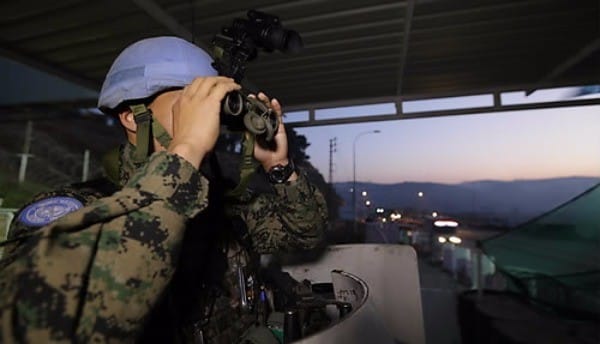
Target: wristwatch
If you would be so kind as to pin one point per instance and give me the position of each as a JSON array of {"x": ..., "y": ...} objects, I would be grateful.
[{"x": 279, "y": 174}]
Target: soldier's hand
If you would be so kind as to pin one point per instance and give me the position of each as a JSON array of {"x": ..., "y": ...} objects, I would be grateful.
[
  {"x": 196, "y": 117},
  {"x": 276, "y": 152}
]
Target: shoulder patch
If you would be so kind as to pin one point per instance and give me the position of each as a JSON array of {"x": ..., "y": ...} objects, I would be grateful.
[{"x": 43, "y": 212}]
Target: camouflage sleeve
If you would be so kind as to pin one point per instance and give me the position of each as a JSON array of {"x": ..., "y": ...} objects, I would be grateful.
[
  {"x": 293, "y": 218},
  {"x": 93, "y": 274},
  {"x": 19, "y": 228}
]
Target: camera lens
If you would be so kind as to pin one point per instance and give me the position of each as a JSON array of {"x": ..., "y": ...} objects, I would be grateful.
[
  {"x": 279, "y": 38},
  {"x": 293, "y": 42}
]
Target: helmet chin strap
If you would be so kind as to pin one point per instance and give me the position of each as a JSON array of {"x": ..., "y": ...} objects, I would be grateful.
[
  {"x": 147, "y": 128},
  {"x": 247, "y": 167}
]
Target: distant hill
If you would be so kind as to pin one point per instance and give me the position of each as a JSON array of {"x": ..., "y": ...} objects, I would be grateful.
[{"x": 511, "y": 201}]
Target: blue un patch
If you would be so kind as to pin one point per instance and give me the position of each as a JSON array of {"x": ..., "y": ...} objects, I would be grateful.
[{"x": 47, "y": 210}]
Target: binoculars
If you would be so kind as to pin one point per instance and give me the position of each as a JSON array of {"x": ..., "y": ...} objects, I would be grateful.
[
  {"x": 238, "y": 110},
  {"x": 233, "y": 47}
]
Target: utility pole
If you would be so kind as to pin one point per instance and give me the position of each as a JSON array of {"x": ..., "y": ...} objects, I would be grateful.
[
  {"x": 332, "y": 149},
  {"x": 25, "y": 155}
]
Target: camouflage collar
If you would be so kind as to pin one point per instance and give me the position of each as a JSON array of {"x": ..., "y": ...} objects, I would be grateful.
[{"x": 128, "y": 165}]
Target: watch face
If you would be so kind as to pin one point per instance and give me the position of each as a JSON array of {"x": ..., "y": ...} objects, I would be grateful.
[
  {"x": 277, "y": 174},
  {"x": 280, "y": 174}
]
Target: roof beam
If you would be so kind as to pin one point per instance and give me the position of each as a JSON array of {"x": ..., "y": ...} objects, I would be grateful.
[
  {"x": 330, "y": 16},
  {"x": 46, "y": 110},
  {"x": 579, "y": 56},
  {"x": 228, "y": 15},
  {"x": 355, "y": 40},
  {"x": 15, "y": 54},
  {"x": 356, "y": 101},
  {"x": 168, "y": 21},
  {"x": 312, "y": 122},
  {"x": 410, "y": 9},
  {"x": 312, "y": 58}
]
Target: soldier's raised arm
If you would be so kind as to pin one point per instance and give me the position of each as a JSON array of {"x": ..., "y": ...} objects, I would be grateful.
[{"x": 295, "y": 217}]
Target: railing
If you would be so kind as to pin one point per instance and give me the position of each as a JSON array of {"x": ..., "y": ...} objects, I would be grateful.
[
  {"x": 470, "y": 267},
  {"x": 464, "y": 261},
  {"x": 52, "y": 163}
]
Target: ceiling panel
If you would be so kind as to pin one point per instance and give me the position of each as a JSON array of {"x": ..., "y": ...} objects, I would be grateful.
[{"x": 353, "y": 48}]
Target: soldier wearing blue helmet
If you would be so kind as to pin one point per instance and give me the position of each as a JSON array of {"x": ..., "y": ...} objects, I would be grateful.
[{"x": 153, "y": 256}]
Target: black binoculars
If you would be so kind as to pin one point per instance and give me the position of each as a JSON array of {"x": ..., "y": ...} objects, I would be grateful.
[{"x": 239, "y": 110}]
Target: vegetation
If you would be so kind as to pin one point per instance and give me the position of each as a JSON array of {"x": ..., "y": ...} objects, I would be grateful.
[{"x": 15, "y": 194}]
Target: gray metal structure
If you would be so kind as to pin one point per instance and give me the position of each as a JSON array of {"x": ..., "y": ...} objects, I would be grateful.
[
  {"x": 356, "y": 51},
  {"x": 393, "y": 304}
]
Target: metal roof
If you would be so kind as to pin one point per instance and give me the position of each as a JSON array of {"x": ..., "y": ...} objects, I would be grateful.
[{"x": 355, "y": 50}]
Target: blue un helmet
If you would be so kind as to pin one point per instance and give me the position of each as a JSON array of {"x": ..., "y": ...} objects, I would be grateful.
[
  {"x": 150, "y": 66},
  {"x": 145, "y": 69}
]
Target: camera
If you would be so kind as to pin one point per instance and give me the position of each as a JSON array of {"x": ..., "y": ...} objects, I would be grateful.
[
  {"x": 232, "y": 49},
  {"x": 266, "y": 31}
]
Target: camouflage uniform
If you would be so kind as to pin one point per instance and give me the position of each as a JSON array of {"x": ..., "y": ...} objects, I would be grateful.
[{"x": 95, "y": 275}]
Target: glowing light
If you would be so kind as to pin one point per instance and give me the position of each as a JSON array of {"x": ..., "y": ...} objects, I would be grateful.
[
  {"x": 395, "y": 216},
  {"x": 446, "y": 223},
  {"x": 367, "y": 203},
  {"x": 384, "y": 220},
  {"x": 379, "y": 210},
  {"x": 455, "y": 240},
  {"x": 434, "y": 214},
  {"x": 441, "y": 240},
  {"x": 364, "y": 193},
  {"x": 420, "y": 194}
]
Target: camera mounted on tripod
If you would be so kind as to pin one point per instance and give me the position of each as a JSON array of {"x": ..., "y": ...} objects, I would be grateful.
[{"x": 232, "y": 49}]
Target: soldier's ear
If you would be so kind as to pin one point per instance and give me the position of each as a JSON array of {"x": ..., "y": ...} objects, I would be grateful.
[{"x": 128, "y": 121}]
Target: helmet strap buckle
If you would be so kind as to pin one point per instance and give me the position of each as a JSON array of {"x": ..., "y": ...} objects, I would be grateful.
[{"x": 143, "y": 117}]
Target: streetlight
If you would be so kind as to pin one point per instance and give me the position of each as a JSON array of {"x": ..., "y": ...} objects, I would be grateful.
[{"x": 354, "y": 173}]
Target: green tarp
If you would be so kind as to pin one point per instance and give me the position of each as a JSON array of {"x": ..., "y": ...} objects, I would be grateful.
[{"x": 555, "y": 258}]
